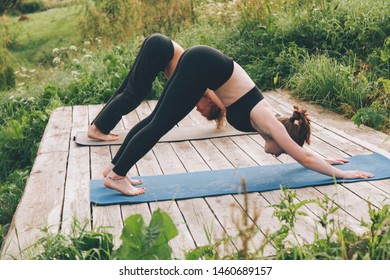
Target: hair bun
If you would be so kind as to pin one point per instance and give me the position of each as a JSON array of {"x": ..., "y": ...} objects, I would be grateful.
[{"x": 298, "y": 114}]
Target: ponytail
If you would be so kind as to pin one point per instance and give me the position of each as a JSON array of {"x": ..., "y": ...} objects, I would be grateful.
[
  {"x": 218, "y": 115},
  {"x": 298, "y": 126}
]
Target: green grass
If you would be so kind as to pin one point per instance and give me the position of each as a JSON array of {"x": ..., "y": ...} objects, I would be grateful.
[{"x": 34, "y": 39}]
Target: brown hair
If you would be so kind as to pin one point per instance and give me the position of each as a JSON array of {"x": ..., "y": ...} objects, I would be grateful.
[
  {"x": 297, "y": 126},
  {"x": 216, "y": 114}
]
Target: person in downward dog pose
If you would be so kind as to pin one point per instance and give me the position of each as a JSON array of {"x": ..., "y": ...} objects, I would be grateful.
[
  {"x": 158, "y": 53},
  {"x": 200, "y": 68}
]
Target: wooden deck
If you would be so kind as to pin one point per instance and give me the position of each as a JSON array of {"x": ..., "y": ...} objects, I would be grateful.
[{"x": 58, "y": 187}]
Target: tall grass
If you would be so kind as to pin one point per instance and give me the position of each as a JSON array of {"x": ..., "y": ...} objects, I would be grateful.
[{"x": 325, "y": 81}]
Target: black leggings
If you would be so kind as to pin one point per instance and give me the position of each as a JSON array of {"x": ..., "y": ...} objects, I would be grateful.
[
  {"x": 199, "y": 68},
  {"x": 156, "y": 52}
]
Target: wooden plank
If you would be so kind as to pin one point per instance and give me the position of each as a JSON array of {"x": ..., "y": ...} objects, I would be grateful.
[
  {"x": 76, "y": 199},
  {"x": 157, "y": 162},
  {"x": 56, "y": 135},
  {"x": 170, "y": 164},
  {"x": 219, "y": 205},
  {"x": 107, "y": 217},
  {"x": 41, "y": 203},
  {"x": 199, "y": 217},
  {"x": 235, "y": 155},
  {"x": 254, "y": 150},
  {"x": 132, "y": 209}
]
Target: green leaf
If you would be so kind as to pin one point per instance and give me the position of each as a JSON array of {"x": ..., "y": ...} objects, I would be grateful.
[
  {"x": 161, "y": 220},
  {"x": 133, "y": 231},
  {"x": 143, "y": 242}
]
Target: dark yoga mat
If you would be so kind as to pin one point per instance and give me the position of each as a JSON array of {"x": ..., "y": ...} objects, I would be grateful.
[{"x": 228, "y": 181}]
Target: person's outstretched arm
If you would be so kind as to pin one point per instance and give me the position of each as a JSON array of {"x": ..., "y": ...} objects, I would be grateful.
[{"x": 267, "y": 124}]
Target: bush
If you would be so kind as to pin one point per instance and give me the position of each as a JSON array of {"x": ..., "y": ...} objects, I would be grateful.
[
  {"x": 119, "y": 20},
  {"x": 325, "y": 81},
  {"x": 29, "y": 7}
]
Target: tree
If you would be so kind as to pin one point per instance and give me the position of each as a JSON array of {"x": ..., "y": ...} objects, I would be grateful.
[{"x": 6, "y": 4}]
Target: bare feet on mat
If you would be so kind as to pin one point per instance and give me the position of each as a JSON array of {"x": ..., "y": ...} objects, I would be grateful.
[
  {"x": 129, "y": 179},
  {"x": 122, "y": 185},
  {"x": 95, "y": 133}
]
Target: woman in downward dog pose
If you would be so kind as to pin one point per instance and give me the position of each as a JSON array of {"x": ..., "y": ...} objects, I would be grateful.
[
  {"x": 201, "y": 68},
  {"x": 158, "y": 53}
]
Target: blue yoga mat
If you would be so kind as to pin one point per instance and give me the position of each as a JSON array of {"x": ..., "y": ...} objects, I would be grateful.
[{"x": 228, "y": 181}]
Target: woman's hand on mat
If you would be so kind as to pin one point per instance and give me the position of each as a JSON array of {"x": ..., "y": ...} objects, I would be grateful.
[
  {"x": 334, "y": 161},
  {"x": 352, "y": 174}
]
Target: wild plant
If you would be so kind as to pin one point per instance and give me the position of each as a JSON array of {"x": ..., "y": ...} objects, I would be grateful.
[
  {"x": 80, "y": 244},
  {"x": 147, "y": 242}
]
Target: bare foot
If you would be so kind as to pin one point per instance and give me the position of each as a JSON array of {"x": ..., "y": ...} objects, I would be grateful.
[
  {"x": 95, "y": 133},
  {"x": 129, "y": 179},
  {"x": 122, "y": 185}
]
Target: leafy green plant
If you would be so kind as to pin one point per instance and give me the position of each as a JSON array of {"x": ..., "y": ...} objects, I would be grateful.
[
  {"x": 287, "y": 212},
  {"x": 370, "y": 116},
  {"x": 339, "y": 242},
  {"x": 378, "y": 245},
  {"x": 147, "y": 242},
  {"x": 79, "y": 244}
]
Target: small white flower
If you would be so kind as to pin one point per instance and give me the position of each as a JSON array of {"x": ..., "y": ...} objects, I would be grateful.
[
  {"x": 31, "y": 99},
  {"x": 75, "y": 73},
  {"x": 87, "y": 43},
  {"x": 72, "y": 48},
  {"x": 76, "y": 61},
  {"x": 56, "y": 60},
  {"x": 55, "y": 50},
  {"x": 87, "y": 56},
  {"x": 24, "y": 69}
]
